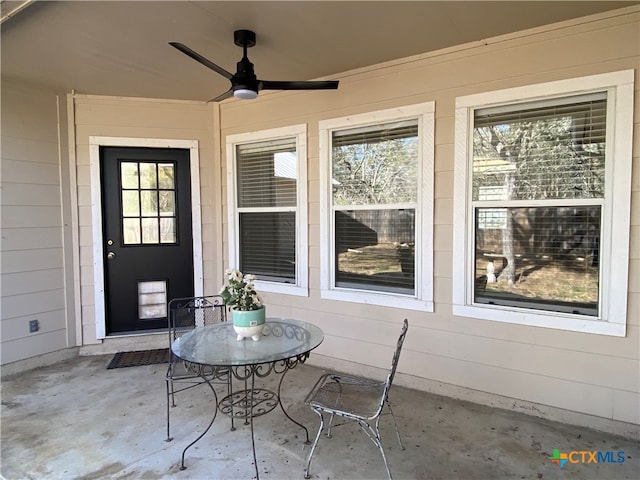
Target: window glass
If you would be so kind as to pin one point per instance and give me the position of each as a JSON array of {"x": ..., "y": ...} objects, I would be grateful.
[
  {"x": 266, "y": 203},
  {"x": 144, "y": 202},
  {"x": 149, "y": 202},
  {"x": 267, "y": 174},
  {"x": 150, "y": 230},
  {"x": 375, "y": 167},
  {"x": 131, "y": 231},
  {"x": 375, "y": 249},
  {"x": 168, "y": 230},
  {"x": 148, "y": 175},
  {"x": 543, "y": 251},
  {"x": 542, "y": 204},
  {"x": 166, "y": 176},
  {"x": 548, "y": 259},
  {"x": 549, "y": 152},
  {"x": 129, "y": 174},
  {"x": 267, "y": 245}
]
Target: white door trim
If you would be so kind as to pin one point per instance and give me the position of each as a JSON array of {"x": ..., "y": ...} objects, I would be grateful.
[{"x": 95, "y": 143}]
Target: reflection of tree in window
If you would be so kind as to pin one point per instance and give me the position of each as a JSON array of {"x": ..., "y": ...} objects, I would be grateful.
[
  {"x": 374, "y": 180},
  {"x": 551, "y": 156}
]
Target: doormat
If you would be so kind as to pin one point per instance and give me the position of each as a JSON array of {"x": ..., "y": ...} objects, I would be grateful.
[{"x": 140, "y": 357}]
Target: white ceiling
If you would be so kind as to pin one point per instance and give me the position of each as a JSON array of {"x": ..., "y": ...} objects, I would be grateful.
[{"x": 121, "y": 48}]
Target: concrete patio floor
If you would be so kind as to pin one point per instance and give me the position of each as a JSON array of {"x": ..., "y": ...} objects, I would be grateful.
[{"x": 78, "y": 420}]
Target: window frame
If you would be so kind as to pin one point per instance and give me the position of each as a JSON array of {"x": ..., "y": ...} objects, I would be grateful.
[
  {"x": 422, "y": 299},
  {"x": 614, "y": 246},
  {"x": 299, "y": 134}
]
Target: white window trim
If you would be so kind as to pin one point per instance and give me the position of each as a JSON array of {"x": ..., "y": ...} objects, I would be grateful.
[
  {"x": 423, "y": 298},
  {"x": 299, "y": 132},
  {"x": 95, "y": 142},
  {"x": 614, "y": 256}
]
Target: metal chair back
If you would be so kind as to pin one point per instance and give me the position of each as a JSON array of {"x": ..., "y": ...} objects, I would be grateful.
[
  {"x": 394, "y": 365},
  {"x": 185, "y": 314},
  {"x": 355, "y": 399}
]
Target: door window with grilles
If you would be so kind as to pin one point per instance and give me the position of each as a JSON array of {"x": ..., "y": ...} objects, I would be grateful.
[{"x": 148, "y": 194}]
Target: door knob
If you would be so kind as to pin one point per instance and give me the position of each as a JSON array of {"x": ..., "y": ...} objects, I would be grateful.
[{"x": 111, "y": 255}]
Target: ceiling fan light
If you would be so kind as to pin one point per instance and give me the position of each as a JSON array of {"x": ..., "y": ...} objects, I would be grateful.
[{"x": 245, "y": 93}]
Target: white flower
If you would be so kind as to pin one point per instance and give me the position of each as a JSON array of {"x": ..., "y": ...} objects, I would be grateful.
[{"x": 240, "y": 292}]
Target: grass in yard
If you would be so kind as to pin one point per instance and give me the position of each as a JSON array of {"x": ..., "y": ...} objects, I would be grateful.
[{"x": 571, "y": 280}]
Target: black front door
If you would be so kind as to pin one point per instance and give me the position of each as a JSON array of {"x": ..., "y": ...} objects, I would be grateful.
[{"x": 147, "y": 234}]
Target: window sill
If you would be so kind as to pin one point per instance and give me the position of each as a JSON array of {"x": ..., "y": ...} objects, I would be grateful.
[
  {"x": 557, "y": 321},
  {"x": 384, "y": 300},
  {"x": 282, "y": 288}
]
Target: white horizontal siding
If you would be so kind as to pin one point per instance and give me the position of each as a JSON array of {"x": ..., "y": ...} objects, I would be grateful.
[
  {"x": 17, "y": 328},
  {"x": 32, "y": 303},
  {"x": 31, "y": 260},
  {"x": 30, "y": 216},
  {"x": 35, "y": 173},
  {"x": 32, "y": 238},
  {"x": 29, "y": 150},
  {"x": 32, "y": 346},
  {"x": 32, "y": 280},
  {"x": 29, "y": 194}
]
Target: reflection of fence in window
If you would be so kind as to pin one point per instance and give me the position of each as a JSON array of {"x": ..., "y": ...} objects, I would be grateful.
[
  {"x": 492, "y": 218},
  {"x": 489, "y": 218},
  {"x": 375, "y": 249},
  {"x": 556, "y": 254}
]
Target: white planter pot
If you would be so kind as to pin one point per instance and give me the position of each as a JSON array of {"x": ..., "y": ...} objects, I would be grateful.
[{"x": 248, "y": 323}]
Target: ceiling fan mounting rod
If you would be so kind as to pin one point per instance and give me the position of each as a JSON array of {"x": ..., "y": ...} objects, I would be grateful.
[{"x": 244, "y": 38}]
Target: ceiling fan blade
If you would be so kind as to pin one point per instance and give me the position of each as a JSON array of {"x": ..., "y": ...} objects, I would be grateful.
[
  {"x": 283, "y": 85},
  {"x": 199, "y": 58},
  {"x": 219, "y": 98}
]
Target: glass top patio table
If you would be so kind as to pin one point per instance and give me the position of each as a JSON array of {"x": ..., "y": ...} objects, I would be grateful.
[
  {"x": 283, "y": 344},
  {"x": 217, "y": 344}
]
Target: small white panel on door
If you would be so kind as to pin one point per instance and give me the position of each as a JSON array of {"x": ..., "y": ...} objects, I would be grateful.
[{"x": 152, "y": 299}]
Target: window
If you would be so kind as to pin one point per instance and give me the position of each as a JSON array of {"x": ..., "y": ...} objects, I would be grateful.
[
  {"x": 545, "y": 238},
  {"x": 148, "y": 195},
  {"x": 267, "y": 214},
  {"x": 377, "y": 213}
]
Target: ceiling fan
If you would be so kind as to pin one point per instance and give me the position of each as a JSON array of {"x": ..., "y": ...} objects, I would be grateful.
[{"x": 244, "y": 83}]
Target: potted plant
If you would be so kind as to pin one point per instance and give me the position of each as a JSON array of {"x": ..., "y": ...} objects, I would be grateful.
[{"x": 247, "y": 308}]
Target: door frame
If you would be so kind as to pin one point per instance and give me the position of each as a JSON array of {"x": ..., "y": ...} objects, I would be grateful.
[{"x": 95, "y": 142}]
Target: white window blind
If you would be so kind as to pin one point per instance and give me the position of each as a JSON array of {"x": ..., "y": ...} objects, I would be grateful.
[
  {"x": 266, "y": 175},
  {"x": 544, "y": 151}
]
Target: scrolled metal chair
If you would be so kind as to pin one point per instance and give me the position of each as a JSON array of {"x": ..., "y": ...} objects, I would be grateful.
[
  {"x": 355, "y": 399},
  {"x": 185, "y": 314}
]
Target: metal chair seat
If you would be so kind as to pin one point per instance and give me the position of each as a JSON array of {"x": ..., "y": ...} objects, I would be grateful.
[
  {"x": 355, "y": 399},
  {"x": 350, "y": 396}
]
